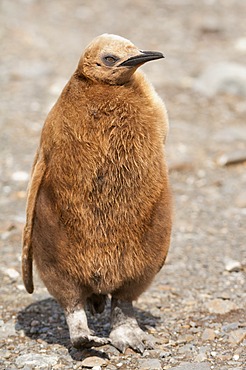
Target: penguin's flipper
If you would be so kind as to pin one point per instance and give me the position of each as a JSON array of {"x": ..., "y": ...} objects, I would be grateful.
[{"x": 36, "y": 179}]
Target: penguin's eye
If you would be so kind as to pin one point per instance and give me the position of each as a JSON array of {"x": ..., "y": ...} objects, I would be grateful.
[{"x": 110, "y": 60}]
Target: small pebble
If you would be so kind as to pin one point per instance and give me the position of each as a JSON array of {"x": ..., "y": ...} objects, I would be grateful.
[
  {"x": 21, "y": 287},
  {"x": 220, "y": 306},
  {"x": 240, "y": 44},
  {"x": 35, "y": 323},
  {"x": 20, "y": 176},
  {"x": 232, "y": 158},
  {"x": 193, "y": 366},
  {"x": 185, "y": 338},
  {"x": 34, "y": 331},
  {"x": 187, "y": 348},
  {"x": 34, "y": 359},
  {"x": 208, "y": 334},
  {"x": 210, "y": 25},
  {"x": 153, "y": 364},
  {"x": 6, "y": 355},
  {"x": 12, "y": 273},
  {"x": 237, "y": 336},
  {"x": 7, "y": 330},
  {"x": 201, "y": 357},
  {"x": 232, "y": 265},
  {"x": 93, "y": 361},
  {"x": 224, "y": 356},
  {"x": 224, "y": 295},
  {"x": 111, "y": 367},
  {"x": 231, "y": 326}
]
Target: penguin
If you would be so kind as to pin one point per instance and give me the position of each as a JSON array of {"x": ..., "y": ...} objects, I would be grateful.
[{"x": 99, "y": 209}]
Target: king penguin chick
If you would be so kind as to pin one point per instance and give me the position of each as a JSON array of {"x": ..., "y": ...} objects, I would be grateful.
[{"x": 99, "y": 203}]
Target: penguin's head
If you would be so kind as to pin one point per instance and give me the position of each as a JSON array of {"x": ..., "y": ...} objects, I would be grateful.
[{"x": 113, "y": 59}]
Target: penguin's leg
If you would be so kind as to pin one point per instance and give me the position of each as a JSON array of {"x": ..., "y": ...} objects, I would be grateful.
[
  {"x": 50, "y": 243},
  {"x": 125, "y": 331},
  {"x": 80, "y": 334},
  {"x": 73, "y": 298}
]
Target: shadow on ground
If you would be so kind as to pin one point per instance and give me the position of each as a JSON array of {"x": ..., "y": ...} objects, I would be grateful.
[{"x": 45, "y": 320}]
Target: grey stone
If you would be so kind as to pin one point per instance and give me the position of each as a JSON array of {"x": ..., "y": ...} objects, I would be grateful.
[
  {"x": 34, "y": 359},
  {"x": 210, "y": 25},
  {"x": 231, "y": 326},
  {"x": 208, "y": 334},
  {"x": 5, "y": 354},
  {"x": 235, "y": 157},
  {"x": 93, "y": 361},
  {"x": 193, "y": 366},
  {"x": 201, "y": 357},
  {"x": 34, "y": 330},
  {"x": 222, "y": 77},
  {"x": 185, "y": 338},
  {"x": 240, "y": 44},
  {"x": 233, "y": 363},
  {"x": 220, "y": 306},
  {"x": 12, "y": 273},
  {"x": 20, "y": 176},
  {"x": 7, "y": 330},
  {"x": 224, "y": 295},
  {"x": 237, "y": 336},
  {"x": 187, "y": 348},
  {"x": 35, "y": 323},
  {"x": 232, "y": 265},
  {"x": 154, "y": 364}
]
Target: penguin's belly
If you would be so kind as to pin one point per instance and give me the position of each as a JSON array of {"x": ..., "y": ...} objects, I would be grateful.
[{"x": 101, "y": 213}]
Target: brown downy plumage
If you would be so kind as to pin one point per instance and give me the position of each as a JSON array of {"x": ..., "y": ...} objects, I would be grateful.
[{"x": 99, "y": 204}]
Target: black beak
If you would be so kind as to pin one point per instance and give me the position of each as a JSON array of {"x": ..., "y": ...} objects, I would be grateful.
[{"x": 144, "y": 57}]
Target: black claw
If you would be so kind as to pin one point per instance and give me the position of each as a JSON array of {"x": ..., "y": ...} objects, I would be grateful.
[
  {"x": 122, "y": 348},
  {"x": 140, "y": 349}
]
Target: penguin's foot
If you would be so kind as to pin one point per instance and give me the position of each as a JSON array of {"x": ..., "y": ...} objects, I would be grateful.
[
  {"x": 80, "y": 334},
  {"x": 125, "y": 330},
  {"x": 85, "y": 340},
  {"x": 132, "y": 336}
]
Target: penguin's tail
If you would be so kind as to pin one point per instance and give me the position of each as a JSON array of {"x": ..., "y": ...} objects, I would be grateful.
[{"x": 27, "y": 276}]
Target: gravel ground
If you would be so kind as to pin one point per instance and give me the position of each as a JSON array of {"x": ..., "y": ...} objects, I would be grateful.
[{"x": 195, "y": 308}]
